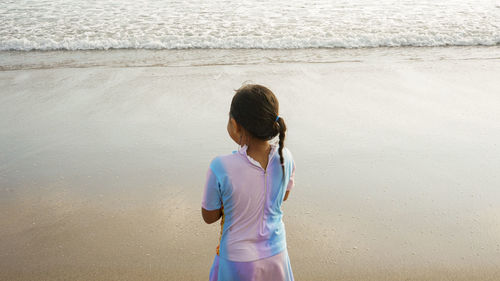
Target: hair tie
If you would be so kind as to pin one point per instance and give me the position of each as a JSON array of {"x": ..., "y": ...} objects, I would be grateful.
[{"x": 277, "y": 117}]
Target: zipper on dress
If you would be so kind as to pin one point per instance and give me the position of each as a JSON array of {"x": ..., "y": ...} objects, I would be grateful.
[
  {"x": 265, "y": 186},
  {"x": 265, "y": 198}
]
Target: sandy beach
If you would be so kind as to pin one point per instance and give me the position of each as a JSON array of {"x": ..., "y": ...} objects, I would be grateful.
[{"x": 103, "y": 157}]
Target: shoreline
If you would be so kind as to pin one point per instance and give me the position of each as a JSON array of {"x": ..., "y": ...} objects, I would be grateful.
[{"x": 24, "y": 60}]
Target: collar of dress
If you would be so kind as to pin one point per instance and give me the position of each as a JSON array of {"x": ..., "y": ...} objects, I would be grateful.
[{"x": 243, "y": 151}]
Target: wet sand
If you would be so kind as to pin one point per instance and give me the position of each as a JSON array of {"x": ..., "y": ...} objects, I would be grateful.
[{"x": 102, "y": 167}]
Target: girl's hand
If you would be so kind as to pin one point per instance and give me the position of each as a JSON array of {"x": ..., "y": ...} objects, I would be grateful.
[
  {"x": 286, "y": 195},
  {"x": 211, "y": 216}
]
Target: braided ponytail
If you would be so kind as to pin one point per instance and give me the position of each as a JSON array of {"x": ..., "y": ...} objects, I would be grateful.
[{"x": 282, "y": 130}]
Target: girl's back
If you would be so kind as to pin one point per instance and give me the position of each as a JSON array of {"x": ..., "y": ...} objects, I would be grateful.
[{"x": 252, "y": 226}]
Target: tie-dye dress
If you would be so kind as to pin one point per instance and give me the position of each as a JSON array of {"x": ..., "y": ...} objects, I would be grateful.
[{"x": 253, "y": 239}]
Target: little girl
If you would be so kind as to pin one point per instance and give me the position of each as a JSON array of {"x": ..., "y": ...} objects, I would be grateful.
[{"x": 246, "y": 189}]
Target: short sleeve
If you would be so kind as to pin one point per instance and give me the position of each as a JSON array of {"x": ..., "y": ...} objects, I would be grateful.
[
  {"x": 211, "y": 194},
  {"x": 291, "y": 182}
]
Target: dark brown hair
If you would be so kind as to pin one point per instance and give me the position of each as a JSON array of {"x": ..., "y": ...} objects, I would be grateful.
[{"x": 255, "y": 108}]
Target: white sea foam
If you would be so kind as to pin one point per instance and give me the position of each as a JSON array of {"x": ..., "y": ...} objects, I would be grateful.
[{"x": 280, "y": 24}]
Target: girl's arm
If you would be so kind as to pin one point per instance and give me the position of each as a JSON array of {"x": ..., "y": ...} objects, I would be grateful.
[
  {"x": 211, "y": 205},
  {"x": 291, "y": 182},
  {"x": 211, "y": 216}
]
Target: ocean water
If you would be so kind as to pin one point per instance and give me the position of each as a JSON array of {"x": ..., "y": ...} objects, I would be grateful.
[{"x": 277, "y": 24}]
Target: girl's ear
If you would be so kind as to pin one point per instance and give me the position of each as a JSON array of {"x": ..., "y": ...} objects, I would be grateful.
[
  {"x": 239, "y": 131},
  {"x": 235, "y": 125},
  {"x": 234, "y": 130}
]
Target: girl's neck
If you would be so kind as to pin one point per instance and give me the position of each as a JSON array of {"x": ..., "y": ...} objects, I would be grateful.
[{"x": 258, "y": 150}]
